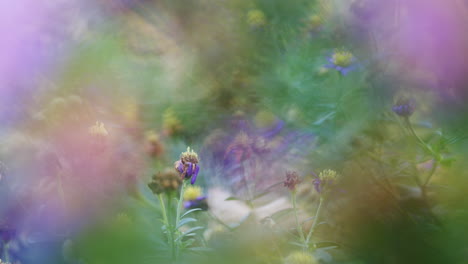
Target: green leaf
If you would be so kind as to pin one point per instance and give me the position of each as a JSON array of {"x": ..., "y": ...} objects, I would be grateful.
[
  {"x": 232, "y": 198},
  {"x": 189, "y": 232},
  {"x": 327, "y": 244},
  {"x": 185, "y": 221},
  {"x": 190, "y": 211},
  {"x": 281, "y": 213}
]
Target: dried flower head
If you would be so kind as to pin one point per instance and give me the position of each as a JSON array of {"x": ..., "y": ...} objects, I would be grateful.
[
  {"x": 256, "y": 18},
  {"x": 325, "y": 180},
  {"x": 187, "y": 166},
  {"x": 404, "y": 107},
  {"x": 292, "y": 179},
  {"x": 166, "y": 181},
  {"x": 98, "y": 129},
  {"x": 300, "y": 257}
]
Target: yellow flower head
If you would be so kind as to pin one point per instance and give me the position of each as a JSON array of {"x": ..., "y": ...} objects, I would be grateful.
[
  {"x": 256, "y": 18},
  {"x": 342, "y": 58},
  {"x": 300, "y": 257},
  {"x": 98, "y": 129},
  {"x": 192, "y": 193}
]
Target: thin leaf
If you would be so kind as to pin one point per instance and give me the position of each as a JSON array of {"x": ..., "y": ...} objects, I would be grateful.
[
  {"x": 185, "y": 221},
  {"x": 190, "y": 211}
]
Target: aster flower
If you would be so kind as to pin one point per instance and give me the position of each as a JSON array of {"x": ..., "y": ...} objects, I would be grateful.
[
  {"x": 194, "y": 198},
  {"x": 404, "y": 107},
  {"x": 325, "y": 180},
  {"x": 187, "y": 166},
  {"x": 292, "y": 179},
  {"x": 342, "y": 61}
]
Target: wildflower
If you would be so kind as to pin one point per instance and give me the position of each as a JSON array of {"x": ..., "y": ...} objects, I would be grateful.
[
  {"x": 187, "y": 166},
  {"x": 325, "y": 180},
  {"x": 292, "y": 179},
  {"x": 154, "y": 146},
  {"x": 256, "y": 18},
  {"x": 342, "y": 61},
  {"x": 98, "y": 129},
  {"x": 166, "y": 181},
  {"x": 300, "y": 257},
  {"x": 268, "y": 124},
  {"x": 192, "y": 193},
  {"x": 404, "y": 107},
  {"x": 193, "y": 197}
]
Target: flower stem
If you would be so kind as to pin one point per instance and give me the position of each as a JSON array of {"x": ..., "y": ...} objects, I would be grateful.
[
  {"x": 298, "y": 226},
  {"x": 179, "y": 210},
  {"x": 169, "y": 229},
  {"x": 316, "y": 218}
]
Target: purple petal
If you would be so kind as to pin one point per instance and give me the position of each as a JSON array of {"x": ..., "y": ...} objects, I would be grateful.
[
  {"x": 189, "y": 169},
  {"x": 194, "y": 176},
  {"x": 180, "y": 168}
]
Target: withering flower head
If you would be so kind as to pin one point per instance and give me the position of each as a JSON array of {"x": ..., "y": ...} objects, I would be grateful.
[
  {"x": 325, "y": 180},
  {"x": 187, "y": 166},
  {"x": 404, "y": 107},
  {"x": 166, "y": 181},
  {"x": 292, "y": 179}
]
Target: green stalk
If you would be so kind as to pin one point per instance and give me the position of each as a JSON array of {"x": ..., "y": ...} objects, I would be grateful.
[
  {"x": 179, "y": 210},
  {"x": 298, "y": 226},
  {"x": 316, "y": 218},
  {"x": 168, "y": 227}
]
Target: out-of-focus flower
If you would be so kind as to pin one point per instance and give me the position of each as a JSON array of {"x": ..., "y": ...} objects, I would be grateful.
[
  {"x": 154, "y": 146},
  {"x": 98, "y": 129},
  {"x": 256, "y": 18},
  {"x": 300, "y": 257},
  {"x": 314, "y": 22},
  {"x": 187, "y": 166},
  {"x": 171, "y": 123},
  {"x": 404, "y": 107},
  {"x": 342, "y": 61},
  {"x": 166, "y": 181},
  {"x": 193, "y": 197},
  {"x": 192, "y": 193},
  {"x": 325, "y": 180},
  {"x": 268, "y": 124},
  {"x": 292, "y": 179}
]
